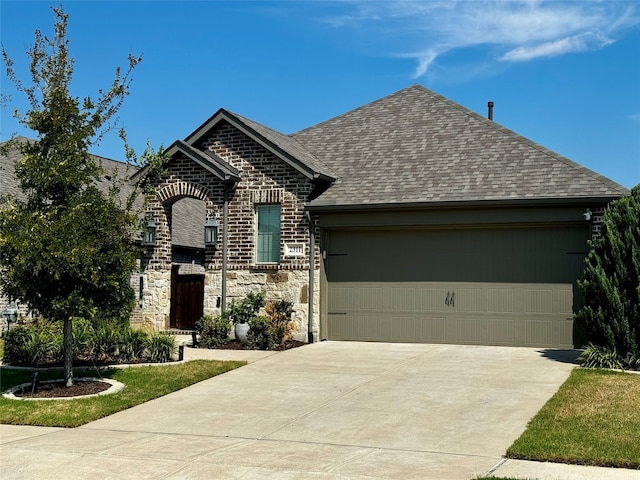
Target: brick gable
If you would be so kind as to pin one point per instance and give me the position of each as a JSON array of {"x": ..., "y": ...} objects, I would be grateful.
[{"x": 265, "y": 179}]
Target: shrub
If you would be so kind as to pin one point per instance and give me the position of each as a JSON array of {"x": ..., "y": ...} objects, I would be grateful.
[
  {"x": 611, "y": 280},
  {"x": 35, "y": 344},
  {"x": 594, "y": 356},
  {"x": 40, "y": 343},
  {"x": 243, "y": 311},
  {"x": 213, "y": 331},
  {"x": 280, "y": 316},
  {"x": 132, "y": 344},
  {"x": 631, "y": 362},
  {"x": 14, "y": 342},
  {"x": 260, "y": 335},
  {"x": 83, "y": 333},
  {"x": 160, "y": 347},
  {"x": 105, "y": 343}
]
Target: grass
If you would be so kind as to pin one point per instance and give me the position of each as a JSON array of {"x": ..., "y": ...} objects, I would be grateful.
[
  {"x": 593, "y": 419},
  {"x": 141, "y": 385}
]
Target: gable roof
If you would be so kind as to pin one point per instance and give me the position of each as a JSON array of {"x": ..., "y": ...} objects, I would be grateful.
[
  {"x": 208, "y": 160},
  {"x": 415, "y": 146},
  {"x": 283, "y": 146}
]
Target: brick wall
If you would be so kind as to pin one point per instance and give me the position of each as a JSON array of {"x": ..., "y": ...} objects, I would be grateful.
[{"x": 264, "y": 179}]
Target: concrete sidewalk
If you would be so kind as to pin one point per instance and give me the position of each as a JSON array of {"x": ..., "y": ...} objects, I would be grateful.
[{"x": 330, "y": 410}]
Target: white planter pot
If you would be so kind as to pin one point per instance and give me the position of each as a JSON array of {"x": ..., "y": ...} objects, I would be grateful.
[{"x": 241, "y": 330}]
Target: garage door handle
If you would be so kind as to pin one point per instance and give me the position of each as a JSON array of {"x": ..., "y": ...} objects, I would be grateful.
[
  {"x": 452, "y": 302},
  {"x": 446, "y": 302}
]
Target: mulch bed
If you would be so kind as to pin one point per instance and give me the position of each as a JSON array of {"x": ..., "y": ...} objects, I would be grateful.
[
  {"x": 235, "y": 345},
  {"x": 57, "y": 389}
]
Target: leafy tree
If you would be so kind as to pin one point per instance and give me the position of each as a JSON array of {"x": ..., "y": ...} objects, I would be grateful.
[
  {"x": 67, "y": 250},
  {"x": 611, "y": 280}
]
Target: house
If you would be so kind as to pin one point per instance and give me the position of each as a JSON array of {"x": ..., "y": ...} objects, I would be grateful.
[{"x": 409, "y": 219}]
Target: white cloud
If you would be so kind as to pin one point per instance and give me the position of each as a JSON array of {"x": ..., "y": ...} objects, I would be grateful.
[
  {"x": 515, "y": 30},
  {"x": 635, "y": 117},
  {"x": 576, "y": 43}
]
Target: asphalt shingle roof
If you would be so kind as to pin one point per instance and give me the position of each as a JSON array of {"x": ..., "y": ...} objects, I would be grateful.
[
  {"x": 416, "y": 146},
  {"x": 112, "y": 170}
]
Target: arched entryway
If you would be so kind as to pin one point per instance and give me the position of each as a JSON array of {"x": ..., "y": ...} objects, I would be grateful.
[{"x": 187, "y": 262}]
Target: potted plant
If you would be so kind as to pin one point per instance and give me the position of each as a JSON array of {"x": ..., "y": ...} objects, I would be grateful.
[{"x": 239, "y": 313}]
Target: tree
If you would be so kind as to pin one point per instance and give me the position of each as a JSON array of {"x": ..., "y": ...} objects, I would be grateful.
[
  {"x": 611, "y": 280},
  {"x": 67, "y": 250}
]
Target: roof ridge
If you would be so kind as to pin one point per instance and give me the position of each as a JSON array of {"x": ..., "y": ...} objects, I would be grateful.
[{"x": 541, "y": 148}]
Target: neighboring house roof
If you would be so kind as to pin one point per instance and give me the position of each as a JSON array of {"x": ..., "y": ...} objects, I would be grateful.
[
  {"x": 112, "y": 170},
  {"x": 283, "y": 146},
  {"x": 415, "y": 146}
]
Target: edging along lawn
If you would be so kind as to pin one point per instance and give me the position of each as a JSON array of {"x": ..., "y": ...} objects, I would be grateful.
[
  {"x": 141, "y": 385},
  {"x": 593, "y": 419}
]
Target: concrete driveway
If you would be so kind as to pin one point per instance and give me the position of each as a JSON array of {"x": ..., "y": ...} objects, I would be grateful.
[{"x": 328, "y": 410}]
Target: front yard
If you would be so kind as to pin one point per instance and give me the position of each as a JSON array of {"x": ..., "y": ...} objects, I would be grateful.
[
  {"x": 141, "y": 385},
  {"x": 593, "y": 419}
]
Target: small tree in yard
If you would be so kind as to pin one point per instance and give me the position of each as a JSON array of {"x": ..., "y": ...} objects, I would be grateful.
[
  {"x": 611, "y": 281},
  {"x": 67, "y": 249}
]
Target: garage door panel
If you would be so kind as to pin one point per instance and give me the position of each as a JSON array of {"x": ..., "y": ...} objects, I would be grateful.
[
  {"x": 464, "y": 330},
  {"x": 539, "y": 332},
  {"x": 467, "y": 299},
  {"x": 403, "y": 298},
  {"x": 538, "y": 301},
  {"x": 370, "y": 298},
  {"x": 501, "y": 331},
  {"x": 433, "y": 299},
  {"x": 405, "y": 329},
  {"x": 500, "y": 300},
  {"x": 342, "y": 298},
  {"x": 341, "y": 327},
  {"x": 564, "y": 300}
]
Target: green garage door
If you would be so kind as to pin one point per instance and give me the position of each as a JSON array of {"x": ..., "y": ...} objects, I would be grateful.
[{"x": 489, "y": 286}]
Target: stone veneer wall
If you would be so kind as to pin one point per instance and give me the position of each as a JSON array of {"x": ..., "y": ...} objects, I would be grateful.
[{"x": 264, "y": 179}]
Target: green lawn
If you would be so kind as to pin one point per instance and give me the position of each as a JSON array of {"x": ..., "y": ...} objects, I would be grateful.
[
  {"x": 141, "y": 385},
  {"x": 593, "y": 419}
]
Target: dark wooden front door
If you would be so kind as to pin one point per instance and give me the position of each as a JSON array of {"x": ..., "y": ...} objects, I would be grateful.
[{"x": 187, "y": 297}]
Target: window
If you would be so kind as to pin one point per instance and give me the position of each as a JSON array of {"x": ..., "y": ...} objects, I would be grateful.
[{"x": 268, "y": 244}]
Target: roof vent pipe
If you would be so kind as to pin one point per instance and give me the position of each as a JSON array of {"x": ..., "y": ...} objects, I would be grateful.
[{"x": 490, "y": 105}]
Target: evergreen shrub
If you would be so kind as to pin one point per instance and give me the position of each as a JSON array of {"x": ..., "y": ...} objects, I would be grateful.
[{"x": 610, "y": 316}]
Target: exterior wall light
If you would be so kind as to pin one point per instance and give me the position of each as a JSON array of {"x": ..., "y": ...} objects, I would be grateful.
[
  {"x": 210, "y": 232},
  {"x": 149, "y": 233},
  {"x": 10, "y": 314}
]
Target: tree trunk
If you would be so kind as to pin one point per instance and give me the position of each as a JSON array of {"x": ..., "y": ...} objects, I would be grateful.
[{"x": 68, "y": 352}]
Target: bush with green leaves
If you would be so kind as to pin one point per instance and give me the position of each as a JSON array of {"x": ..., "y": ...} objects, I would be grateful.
[
  {"x": 41, "y": 342},
  {"x": 213, "y": 331},
  {"x": 610, "y": 316},
  {"x": 261, "y": 335},
  {"x": 244, "y": 310},
  {"x": 36, "y": 344},
  {"x": 595, "y": 356},
  {"x": 160, "y": 347}
]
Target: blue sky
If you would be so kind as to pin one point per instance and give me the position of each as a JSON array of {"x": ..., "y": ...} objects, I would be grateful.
[{"x": 564, "y": 74}]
